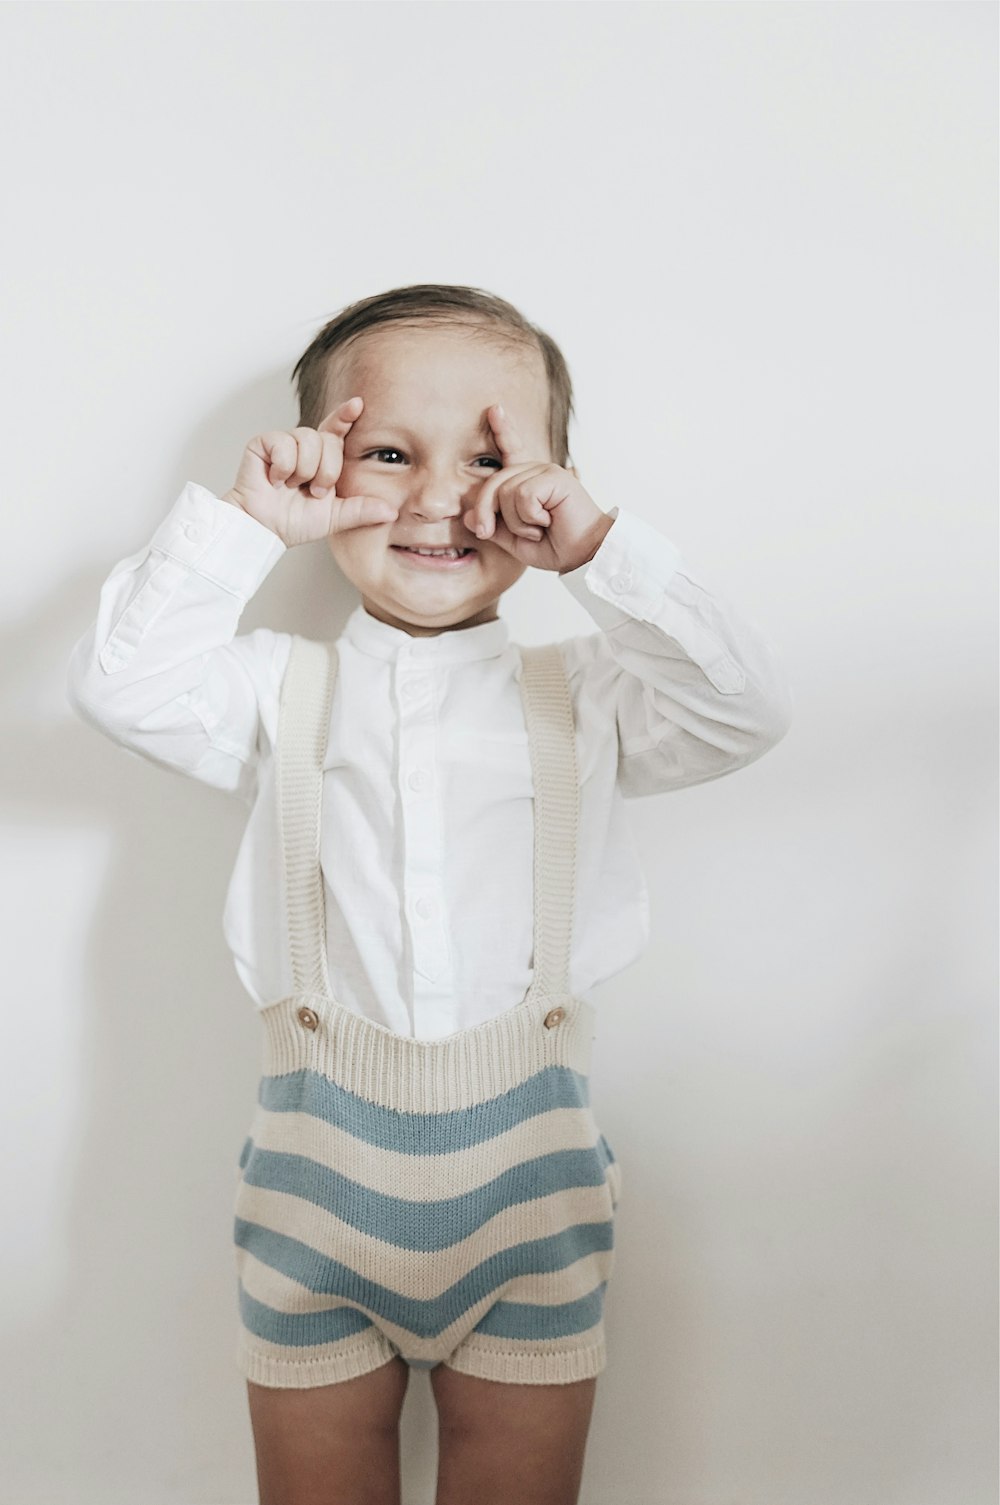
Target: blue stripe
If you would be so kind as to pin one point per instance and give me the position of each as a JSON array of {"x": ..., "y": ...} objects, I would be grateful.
[
  {"x": 424, "y": 1225},
  {"x": 340, "y": 1322},
  {"x": 525, "y": 1320},
  {"x": 423, "y": 1318},
  {"x": 310, "y": 1092},
  {"x": 247, "y": 1149}
]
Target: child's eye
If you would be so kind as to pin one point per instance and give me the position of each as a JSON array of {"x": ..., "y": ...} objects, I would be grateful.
[{"x": 390, "y": 450}]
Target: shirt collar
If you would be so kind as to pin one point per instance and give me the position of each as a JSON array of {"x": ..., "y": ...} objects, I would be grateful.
[{"x": 456, "y": 645}]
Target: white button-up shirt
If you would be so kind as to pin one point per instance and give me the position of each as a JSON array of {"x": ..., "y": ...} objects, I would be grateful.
[{"x": 427, "y": 834}]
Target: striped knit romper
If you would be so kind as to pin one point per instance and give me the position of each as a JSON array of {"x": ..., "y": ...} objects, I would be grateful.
[{"x": 449, "y": 1200}]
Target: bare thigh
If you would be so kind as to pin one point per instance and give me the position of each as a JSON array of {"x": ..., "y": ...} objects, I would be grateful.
[
  {"x": 499, "y": 1444},
  {"x": 333, "y": 1444}
]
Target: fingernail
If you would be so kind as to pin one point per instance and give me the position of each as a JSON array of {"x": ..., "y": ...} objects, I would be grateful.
[{"x": 500, "y": 410}]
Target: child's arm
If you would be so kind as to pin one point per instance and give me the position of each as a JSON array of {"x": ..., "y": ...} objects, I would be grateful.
[
  {"x": 693, "y": 686},
  {"x": 161, "y": 671}
]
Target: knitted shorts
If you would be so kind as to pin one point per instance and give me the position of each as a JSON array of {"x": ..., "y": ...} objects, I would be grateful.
[{"x": 450, "y": 1201}]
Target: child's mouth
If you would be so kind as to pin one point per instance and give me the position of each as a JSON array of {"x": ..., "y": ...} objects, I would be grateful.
[{"x": 455, "y": 559}]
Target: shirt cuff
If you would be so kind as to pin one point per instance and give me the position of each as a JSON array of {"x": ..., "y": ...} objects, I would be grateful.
[
  {"x": 218, "y": 540},
  {"x": 627, "y": 576}
]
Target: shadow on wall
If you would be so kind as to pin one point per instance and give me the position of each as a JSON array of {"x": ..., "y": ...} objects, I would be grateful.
[{"x": 133, "y": 1361}]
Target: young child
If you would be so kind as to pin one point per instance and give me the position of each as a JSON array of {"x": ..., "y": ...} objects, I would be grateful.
[{"x": 437, "y": 868}]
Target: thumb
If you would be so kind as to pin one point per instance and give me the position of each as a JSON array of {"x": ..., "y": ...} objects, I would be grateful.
[{"x": 355, "y": 511}]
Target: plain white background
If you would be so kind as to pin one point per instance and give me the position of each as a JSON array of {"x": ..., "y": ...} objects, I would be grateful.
[{"x": 765, "y": 238}]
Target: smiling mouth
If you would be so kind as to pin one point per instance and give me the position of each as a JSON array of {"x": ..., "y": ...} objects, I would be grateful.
[{"x": 456, "y": 553}]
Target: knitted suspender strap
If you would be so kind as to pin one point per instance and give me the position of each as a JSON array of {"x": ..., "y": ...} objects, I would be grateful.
[
  {"x": 303, "y": 724},
  {"x": 548, "y": 710},
  {"x": 303, "y": 721}
]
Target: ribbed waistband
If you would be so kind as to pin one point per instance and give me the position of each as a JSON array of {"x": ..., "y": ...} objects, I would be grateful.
[{"x": 426, "y": 1076}]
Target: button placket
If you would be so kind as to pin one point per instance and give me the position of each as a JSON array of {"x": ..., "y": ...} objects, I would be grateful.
[{"x": 423, "y": 838}]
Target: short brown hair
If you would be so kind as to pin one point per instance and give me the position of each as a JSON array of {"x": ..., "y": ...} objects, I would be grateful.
[{"x": 482, "y": 313}]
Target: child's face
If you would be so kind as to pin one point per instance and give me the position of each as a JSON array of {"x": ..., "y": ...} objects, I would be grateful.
[{"x": 423, "y": 442}]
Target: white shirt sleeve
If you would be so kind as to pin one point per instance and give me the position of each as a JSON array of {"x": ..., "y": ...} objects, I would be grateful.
[
  {"x": 161, "y": 671},
  {"x": 695, "y": 687}
]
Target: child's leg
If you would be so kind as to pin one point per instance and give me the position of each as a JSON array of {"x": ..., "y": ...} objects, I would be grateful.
[
  {"x": 498, "y": 1443},
  {"x": 333, "y": 1444}
]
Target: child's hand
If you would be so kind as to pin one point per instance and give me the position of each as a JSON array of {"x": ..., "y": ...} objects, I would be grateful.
[
  {"x": 287, "y": 481},
  {"x": 546, "y": 517}
]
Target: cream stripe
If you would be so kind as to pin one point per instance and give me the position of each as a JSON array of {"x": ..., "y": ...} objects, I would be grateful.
[
  {"x": 265, "y": 1285},
  {"x": 424, "y": 1178},
  {"x": 421, "y": 1076},
  {"x": 569, "y": 1342},
  {"x": 424, "y": 1273},
  {"x": 574, "y": 1357},
  {"x": 318, "y": 1364},
  {"x": 551, "y": 1288}
]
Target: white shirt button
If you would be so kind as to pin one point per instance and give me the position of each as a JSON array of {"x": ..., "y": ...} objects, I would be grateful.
[
  {"x": 426, "y": 908},
  {"x": 192, "y": 531},
  {"x": 621, "y": 582},
  {"x": 411, "y": 688},
  {"x": 417, "y": 779}
]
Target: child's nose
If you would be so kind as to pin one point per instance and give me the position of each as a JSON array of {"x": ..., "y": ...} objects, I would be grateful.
[{"x": 432, "y": 499}]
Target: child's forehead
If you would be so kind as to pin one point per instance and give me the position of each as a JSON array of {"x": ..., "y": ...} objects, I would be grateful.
[{"x": 405, "y": 368}]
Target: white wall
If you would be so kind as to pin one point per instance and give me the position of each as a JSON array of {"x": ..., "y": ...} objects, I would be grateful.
[{"x": 765, "y": 236}]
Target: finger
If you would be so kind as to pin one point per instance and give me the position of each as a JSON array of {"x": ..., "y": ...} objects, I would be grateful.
[
  {"x": 516, "y": 504},
  {"x": 338, "y": 421},
  {"x": 507, "y": 537},
  {"x": 480, "y": 517},
  {"x": 333, "y": 430},
  {"x": 330, "y": 465},
  {"x": 508, "y": 439},
  {"x": 310, "y": 447},
  {"x": 282, "y": 455}
]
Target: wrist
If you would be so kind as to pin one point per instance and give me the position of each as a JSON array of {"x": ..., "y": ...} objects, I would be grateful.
[{"x": 592, "y": 542}]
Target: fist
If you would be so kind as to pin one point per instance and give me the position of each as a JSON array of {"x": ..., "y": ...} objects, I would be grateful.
[
  {"x": 287, "y": 480},
  {"x": 536, "y": 510}
]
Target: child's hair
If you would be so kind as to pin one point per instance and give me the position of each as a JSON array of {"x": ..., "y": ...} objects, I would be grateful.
[{"x": 483, "y": 314}]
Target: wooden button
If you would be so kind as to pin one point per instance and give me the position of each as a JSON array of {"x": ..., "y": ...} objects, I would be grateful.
[
  {"x": 553, "y": 1017},
  {"x": 307, "y": 1018}
]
